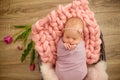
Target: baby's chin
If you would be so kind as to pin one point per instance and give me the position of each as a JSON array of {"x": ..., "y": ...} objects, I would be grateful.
[{"x": 75, "y": 43}]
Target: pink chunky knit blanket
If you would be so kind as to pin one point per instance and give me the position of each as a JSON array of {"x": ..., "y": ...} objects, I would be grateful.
[{"x": 46, "y": 32}]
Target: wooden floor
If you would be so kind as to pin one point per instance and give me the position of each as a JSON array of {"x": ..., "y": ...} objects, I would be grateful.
[{"x": 20, "y": 12}]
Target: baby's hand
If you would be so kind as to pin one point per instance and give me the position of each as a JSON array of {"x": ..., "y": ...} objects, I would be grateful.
[
  {"x": 72, "y": 46},
  {"x": 67, "y": 46}
]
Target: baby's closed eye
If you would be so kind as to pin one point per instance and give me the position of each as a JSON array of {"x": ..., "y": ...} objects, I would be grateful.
[{"x": 67, "y": 37}]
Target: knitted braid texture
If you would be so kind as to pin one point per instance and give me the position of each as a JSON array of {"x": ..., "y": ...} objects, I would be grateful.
[{"x": 47, "y": 31}]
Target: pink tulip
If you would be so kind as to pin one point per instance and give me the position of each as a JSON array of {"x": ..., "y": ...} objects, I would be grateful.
[
  {"x": 32, "y": 67},
  {"x": 19, "y": 48},
  {"x": 8, "y": 39}
]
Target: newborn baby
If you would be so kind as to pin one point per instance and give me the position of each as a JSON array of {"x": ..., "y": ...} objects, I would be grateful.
[{"x": 71, "y": 55}]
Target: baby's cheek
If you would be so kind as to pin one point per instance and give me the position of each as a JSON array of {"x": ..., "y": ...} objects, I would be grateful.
[
  {"x": 65, "y": 40},
  {"x": 76, "y": 41}
]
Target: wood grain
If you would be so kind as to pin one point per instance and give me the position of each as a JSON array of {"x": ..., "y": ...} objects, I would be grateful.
[{"x": 20, "y": 12}]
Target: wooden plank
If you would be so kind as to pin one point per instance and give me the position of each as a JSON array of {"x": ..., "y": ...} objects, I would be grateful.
[
  {"x": 109, "y": 23},
  {"x": 38, "y": 9},
  {"x": 112, "y": 46},
  {"x": 113, "y": 66},
  {"x": 18, "y": 72},
  {"x": 102, "y": 6}
]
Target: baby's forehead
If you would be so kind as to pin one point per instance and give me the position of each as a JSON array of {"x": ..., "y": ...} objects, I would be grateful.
[
  {"x": 74, "y": 22},
  {"x": 72, "y": 33}
]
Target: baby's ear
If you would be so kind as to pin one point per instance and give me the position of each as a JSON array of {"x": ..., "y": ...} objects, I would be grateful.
[{"x": 81, "y": 32}]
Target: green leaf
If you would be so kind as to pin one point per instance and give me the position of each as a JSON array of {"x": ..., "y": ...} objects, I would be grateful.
[
  {"x": 32, "y": 56},
  {"x": 17, "y": 33},
  {"x": 26, "y": 37},
  {"x": 22, "y": 26},
  {"x": 23, "y": 35},
  {"x": 27, "y": 50}
]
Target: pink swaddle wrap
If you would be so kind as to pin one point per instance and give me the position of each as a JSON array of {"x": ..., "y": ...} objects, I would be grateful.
[{"x": 71, "y": 64}]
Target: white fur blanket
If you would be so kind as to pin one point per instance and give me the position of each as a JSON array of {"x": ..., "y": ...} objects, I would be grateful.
[{"x": 95, "y": 72}]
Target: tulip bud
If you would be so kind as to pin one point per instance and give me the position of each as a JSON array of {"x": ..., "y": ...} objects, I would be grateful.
[
  {"x": 32, "y": 67},
  {"x": 8, "y": 39}
]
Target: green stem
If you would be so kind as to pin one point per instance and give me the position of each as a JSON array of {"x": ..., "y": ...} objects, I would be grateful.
[{"x": 17, "y": 33}]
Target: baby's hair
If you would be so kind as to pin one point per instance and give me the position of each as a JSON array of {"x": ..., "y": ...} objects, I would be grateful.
[
  {"x": 74, "y": 21},
  {"x": 74, "y": 29}
]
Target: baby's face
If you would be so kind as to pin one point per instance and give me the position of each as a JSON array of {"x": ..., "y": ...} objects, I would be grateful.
[{"x": 72, "y": 37}]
